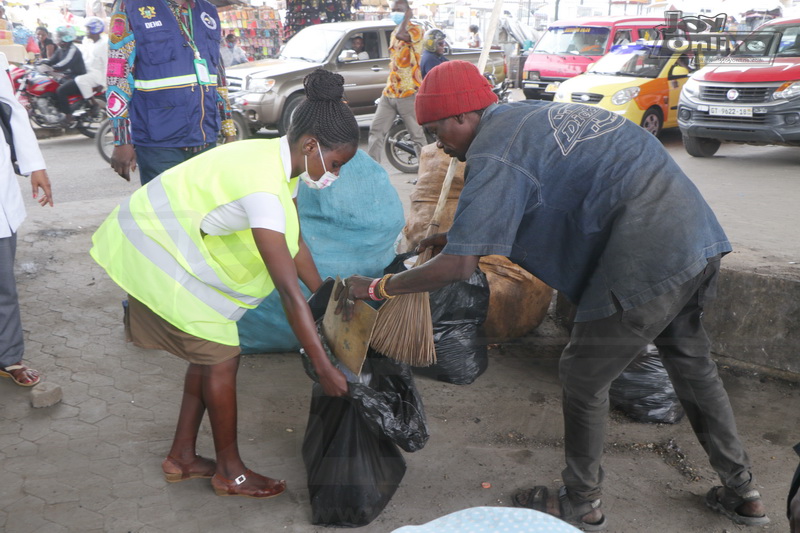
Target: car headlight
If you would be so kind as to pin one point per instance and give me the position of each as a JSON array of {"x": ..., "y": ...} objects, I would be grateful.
[
  {"x": 260, "y": 85},
  {"x": 790, "y": 89},
  {"x": 623, "y": 96},
  {"x": 533, "y": 75},
  {"x": 691, "y": 87}
]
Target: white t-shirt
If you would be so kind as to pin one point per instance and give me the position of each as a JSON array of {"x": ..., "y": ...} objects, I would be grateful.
[{"x": 256, "y": 210}]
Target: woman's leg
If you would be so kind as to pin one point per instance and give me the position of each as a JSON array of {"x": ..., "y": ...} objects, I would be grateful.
[
  {"x": 182, "y": 461},
  {"x": 219, "y": 396}
]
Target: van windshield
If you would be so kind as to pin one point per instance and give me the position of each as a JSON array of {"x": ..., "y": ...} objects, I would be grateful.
[{"x": 577, "y": 40}]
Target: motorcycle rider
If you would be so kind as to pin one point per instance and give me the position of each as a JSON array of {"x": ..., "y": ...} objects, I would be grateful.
[
  {"x": 67, "y": 61},
  {"x": 95, "y": 57},
  {"x": 433, "y": 44}
]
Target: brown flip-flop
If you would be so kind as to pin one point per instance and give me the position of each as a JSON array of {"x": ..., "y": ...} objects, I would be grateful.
[{"x": 21, "y": 375}]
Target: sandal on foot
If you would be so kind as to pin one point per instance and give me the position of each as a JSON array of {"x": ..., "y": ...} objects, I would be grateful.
[
  {"x": 726, "y": 502},
  {"x": 21, "y": 375},
  {"x": 184, "y": 472},
  {"x": 536, "y": 499},
  {"x": 236, "y": 487}
]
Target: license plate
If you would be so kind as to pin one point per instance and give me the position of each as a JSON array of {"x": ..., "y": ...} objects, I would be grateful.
[
  {"x": 730, "y": 111},
  {"x": 551, "y": 87}
]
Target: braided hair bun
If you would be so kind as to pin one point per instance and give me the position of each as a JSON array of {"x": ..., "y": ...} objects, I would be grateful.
[
  {"x": 324, "y": 86},
  {"x": 324, "y": 114}
]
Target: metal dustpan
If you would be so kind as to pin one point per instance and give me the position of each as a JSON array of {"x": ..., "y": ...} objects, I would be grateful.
[{"x": 349, "y": 341}]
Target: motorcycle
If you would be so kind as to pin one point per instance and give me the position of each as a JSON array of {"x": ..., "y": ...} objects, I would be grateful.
[
  {"x": 399, "y": 147},
  {"x": 35, "y": 88}
]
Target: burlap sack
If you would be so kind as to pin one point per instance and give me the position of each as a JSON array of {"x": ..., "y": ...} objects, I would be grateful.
[{"x": 518, "y": 301}]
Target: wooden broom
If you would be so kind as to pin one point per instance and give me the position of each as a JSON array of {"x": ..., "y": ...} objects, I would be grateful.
[{"x": 404, "y": 328}]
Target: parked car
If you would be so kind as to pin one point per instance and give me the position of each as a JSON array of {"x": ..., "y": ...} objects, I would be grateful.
[
  {"x": 641, "y": 81},
  {"x": 753, "y": 97},
  {"x": 569, "y": 46},
  {"x": 268, "y": 91}
]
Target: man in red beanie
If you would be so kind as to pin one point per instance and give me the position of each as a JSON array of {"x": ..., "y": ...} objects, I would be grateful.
[{"x": 592, "y": 205}]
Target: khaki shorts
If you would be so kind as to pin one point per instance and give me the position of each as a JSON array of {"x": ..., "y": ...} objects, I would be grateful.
[{"x": 146, "y": 329}]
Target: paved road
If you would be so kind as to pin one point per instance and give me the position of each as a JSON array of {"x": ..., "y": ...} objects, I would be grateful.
[{"x": 91, "y": 463}]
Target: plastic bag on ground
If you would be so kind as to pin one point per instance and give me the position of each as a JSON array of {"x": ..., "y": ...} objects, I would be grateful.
[
  {"x": 457, "y": 312},
  {"x": 350, "y": 447},
  {"x": 644, "y": 392}
]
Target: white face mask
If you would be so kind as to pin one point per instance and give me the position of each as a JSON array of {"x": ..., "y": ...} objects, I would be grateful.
[{"x": 327, "y": 178}]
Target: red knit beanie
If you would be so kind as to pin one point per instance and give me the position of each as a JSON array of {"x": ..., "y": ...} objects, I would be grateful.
[{"x": 452, "y": 88}]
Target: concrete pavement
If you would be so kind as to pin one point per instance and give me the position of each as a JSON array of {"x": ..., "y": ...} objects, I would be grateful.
[{"x": 92, "y": 462}]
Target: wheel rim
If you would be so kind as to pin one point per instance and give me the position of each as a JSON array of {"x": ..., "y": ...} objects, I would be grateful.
[
  {"x": 651, "y": 123},
  {"x": 401, "y": 155}
]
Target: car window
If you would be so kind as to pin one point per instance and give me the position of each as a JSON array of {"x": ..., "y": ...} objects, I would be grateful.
[
  {"x": 372, "y": 44},
  {"x": 577, "y": 40},
  {"x": 622, "y": 37},
  {"x": 633, "y": 60}
]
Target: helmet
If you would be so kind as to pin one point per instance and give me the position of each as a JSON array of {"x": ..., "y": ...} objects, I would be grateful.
[
  {"x": 431, "y": 38},
  {"x": 94, "y": 25},
  {"x": 65, "y": 34}
]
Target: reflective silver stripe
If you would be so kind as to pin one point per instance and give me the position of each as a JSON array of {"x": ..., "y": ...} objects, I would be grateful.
[
  {"x": 163, "y": 83},
  {"x": 172, "y": 268},
  {"x": 186, "y": 245}
]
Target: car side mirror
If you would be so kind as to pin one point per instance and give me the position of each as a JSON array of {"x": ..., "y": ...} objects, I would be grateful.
[
  {"x": 679, "y": 71},
  {"x": 347, "y": 56}
]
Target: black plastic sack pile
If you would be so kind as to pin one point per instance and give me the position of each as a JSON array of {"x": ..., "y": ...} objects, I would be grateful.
[
  {"x": 350, "y": 448},
  {"x": 644, "y": 392},
  {"x": 457, "y": 312}
]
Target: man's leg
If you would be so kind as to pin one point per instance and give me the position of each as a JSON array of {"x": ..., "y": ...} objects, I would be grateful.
[
  {"x": 85, "y": 84},
  {"x": 63, "y": 93},
  {"x": 379, "y": 129},
  {"x": 685, "y": 351},
  {"x": 152, "y": 161},
  {"x": 405, "y": 108},
  {"x": 597, "y": 354},
  {"x": 11, "y": 341}
]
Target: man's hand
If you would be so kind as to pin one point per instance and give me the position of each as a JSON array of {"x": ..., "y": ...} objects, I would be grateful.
[
  {"x": 123, "y": 160},
  {"x": 229, "y": 139},
  {"x": 40, "y": 180},
  {"x": 436, "y": 242}
]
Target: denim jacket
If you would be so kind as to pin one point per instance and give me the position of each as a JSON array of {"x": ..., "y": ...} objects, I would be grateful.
[{"x": 585, "y": 200}]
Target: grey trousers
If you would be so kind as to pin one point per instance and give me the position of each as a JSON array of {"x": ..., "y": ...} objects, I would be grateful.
[
  {"x": 600, "y": 350},
  {"x": 11, "y": 344},
  {"x": 388, "y": 109}
]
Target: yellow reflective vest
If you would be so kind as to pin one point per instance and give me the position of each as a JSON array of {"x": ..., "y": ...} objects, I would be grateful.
[{"x": 151, "y": 245}]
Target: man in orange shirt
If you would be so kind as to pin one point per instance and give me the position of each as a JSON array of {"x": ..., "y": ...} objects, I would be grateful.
[{"x": 401, "y": 88}]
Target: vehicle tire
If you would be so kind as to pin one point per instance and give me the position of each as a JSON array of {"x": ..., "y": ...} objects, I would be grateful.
[
  {"x": 288, "y": 110},
  {"x": 700, "y": 146},
  {"x": 242, "y": 129},
  {"x": 532, "y": 94},
  {"x": 652, "y": 121},
  {"x": 399, "y": 158},
  {"x": 104, "y": 140}
]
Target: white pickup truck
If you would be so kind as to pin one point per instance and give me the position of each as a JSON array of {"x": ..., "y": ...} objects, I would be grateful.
[{"x": 266, "y": 92}]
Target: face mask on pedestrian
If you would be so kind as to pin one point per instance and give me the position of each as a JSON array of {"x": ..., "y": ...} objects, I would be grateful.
[
  {"x": 397, "y": 17},
  {"x": 327, "y": 178}
]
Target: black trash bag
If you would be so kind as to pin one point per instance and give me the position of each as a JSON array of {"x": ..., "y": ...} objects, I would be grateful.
[
  {"x": 352, "y": 472},
  {"x": 644, "y": 392},
  {"x": 457, "y": 312}
]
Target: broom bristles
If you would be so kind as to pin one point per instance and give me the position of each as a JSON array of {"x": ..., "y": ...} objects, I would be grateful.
[{"x": 404, "y": 330}]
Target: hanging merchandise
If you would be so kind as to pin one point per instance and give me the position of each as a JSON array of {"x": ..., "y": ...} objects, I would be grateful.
[
  {"x": 259, "y": 30},
  {"x": 302, "y": 13}
]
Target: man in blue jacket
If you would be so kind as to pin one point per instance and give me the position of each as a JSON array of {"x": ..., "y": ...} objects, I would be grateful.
[{"x": 166, "y": 84}]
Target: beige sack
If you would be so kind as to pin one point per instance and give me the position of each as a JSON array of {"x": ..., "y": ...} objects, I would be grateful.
[{"x": 518, "y": 301}]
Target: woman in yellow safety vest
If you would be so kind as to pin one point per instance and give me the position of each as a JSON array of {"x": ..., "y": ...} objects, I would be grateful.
[{"x": 190, "y": 249}]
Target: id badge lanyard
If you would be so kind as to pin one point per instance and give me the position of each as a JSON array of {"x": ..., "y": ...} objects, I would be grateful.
[{"x": 200, "y": 64}]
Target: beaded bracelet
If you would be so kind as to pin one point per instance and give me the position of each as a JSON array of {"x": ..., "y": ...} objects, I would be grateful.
[
  {"x": 382, "y": 287},
  {"x": 371, "y": 290}
]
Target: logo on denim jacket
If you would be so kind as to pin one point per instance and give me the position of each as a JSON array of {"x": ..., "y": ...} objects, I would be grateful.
[{"x": 573, "y": 124}]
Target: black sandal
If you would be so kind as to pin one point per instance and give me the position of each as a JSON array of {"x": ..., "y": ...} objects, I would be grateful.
[
  {"x": 536, "y": 499},
  {"x": 726, "y": 501}
]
